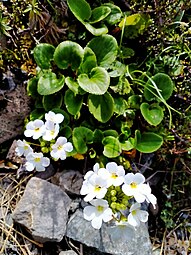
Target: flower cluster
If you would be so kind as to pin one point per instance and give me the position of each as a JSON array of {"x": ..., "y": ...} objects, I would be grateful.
[
  {"x": 115, "y": 196},
  {"x": 45, "y": 132}
]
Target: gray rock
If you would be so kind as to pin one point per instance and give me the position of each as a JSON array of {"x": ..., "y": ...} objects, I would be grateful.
[
  {"x": 43, "y": 210},
  {"x": 81, "y": 230},
  {"x": 68, "y": 253},
  {"x": 70, "y": 181}
]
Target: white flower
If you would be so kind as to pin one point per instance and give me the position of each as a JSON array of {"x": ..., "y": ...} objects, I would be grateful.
[
  {"x": 134, "y": 186},
  {"x": 115, "y": 174},
  {"x": 52, "y": 131},
  {"x": 98, "y": 212},
  {"x": 90, "y": 173},
  {"x": 95, "y": 186},
  {"x": 136, "y": 215},
  {"x": 60, "y": 148},
  {"x": 56, "y": 118},
  {"x": 23, "y": 148},
  {"x": 35, "y": 129},
  {"x": 36, "y": 161},
  {"x": 122, "y": 231}
]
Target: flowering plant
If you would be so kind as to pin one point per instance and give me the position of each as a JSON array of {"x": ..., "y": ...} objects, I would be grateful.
[
  {"x": 115, "y": 196},
  {"x": 46, "y": 132}
]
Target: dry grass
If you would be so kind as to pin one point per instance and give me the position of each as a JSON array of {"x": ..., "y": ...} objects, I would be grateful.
[{"x": 12, "y": 239}]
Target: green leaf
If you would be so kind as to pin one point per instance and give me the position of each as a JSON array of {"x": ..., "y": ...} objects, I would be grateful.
[
  {"x": 96, "y": 31},
  {"x": 127, "y": 145},
  {"x": 96, "y": 83},
  {"x": 81, "y": 137},
  {"x": 120, "y": 105},
  {"x": 49, "y": 84},
  {"x": 73, "y": 102},
  {"x": 89, "y": 61},
  {"x": 147, "y": 142},
  {"x": 52, "y": 101},
  {"x": 111, "y": 132},
  {"x": 32, "y": 87},
  {"x": 130, "y": 20},
  {"x": 153, "y": 114},
  {"x": 115, "y": 14},
  {"x": 101, "y": 106},
  {"x": 164, "y": 84},
  {"x": 80, "y": 8},
  {"x": 112, "y": 147},
  {"x": 72, "y": 84},
  {"x": 105, "y": 48},
  {"x": 67, "y": 54},
  {"x": 98, "y": 136},
  {"x": 36, "y": 114},
  {"x": 43, "y": 54},
  {"x": 99, "y": 13}
]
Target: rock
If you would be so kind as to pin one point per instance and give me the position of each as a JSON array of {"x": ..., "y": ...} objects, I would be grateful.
[
  {"x": 81, "y": 230},
  {"x": 68, "y": 253},
  {"x": 70, "y": 181},
  {"x": 43, "y": 210},
  {"x": 14, "y": 107}
]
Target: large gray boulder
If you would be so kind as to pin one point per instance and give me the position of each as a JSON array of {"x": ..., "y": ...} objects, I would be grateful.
[
  {"x": 43, "y": 210},
  {"x": 81, "y": 230}
]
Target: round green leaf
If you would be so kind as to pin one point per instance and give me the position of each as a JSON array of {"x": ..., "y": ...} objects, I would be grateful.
[
  {"x": 49, "y": 84},
  {"x": 105, "y": 48},
  {"x": 164, "y": 84},
  {"x": 80, "y": 8},
  {"x": 96, "y": 31},
  {"x": 89, "y": 61},
  {"x": 147, "y": 142},
  {"x": 96, "y": 83},
  {"x": 52, "y": 101},
  {"x": 101, "y": 106},
  {"x": 112, "y": 147},
  {"x": 99, "y": 13},
  {"x": 67, "y": 54},
  {"x": 120, "y": 105},
  {"x": 43, "y": 54},
  {"x": 73, "y": 102},
  {"x": 81, "y": 137},
  {"x": 153, "y": 114},
  {"x": 115, "y": 14},
  {"x": 32, "y": 87}
]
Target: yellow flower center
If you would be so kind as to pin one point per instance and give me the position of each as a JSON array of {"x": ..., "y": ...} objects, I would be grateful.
[
  {"x": 134, "y": 212},
  {"x": 114, "y": 176},
  {"x": 60, "y": 147},
  {"x": 25, "y": 147},
  {"x": 100, "y": 208},
  {"x": 37, "y": 129},
  {"x": 52, "y": 132},
  {"x": 133, "y": 185},
  {"x": 37, "y": 159},
  {"x": 97, "y": 188}
]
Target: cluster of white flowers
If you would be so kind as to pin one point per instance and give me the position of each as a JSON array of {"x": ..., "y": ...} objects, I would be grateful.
[
  {"x": 105, "y": 188},
  {"x": 47, "y": 131}
]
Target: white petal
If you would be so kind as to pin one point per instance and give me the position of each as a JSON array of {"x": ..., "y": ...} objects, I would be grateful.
[
  {"x": 45, "y": 161},
  {"x": 135, "y": 207},
  {"x": 132, "y": 220},
  {"x": 127, "y": 190},
  {"x": 101, "y": 193},
  {"x": 40, "y": 168},
  {"x": 28, "y": 133},
  {"x": 59, "y": 118},
  {"x": 152, "y": 199},
  {"x": 96, "y": 167},
  {"x": 107, "y": 215},
  {"x": 140, "y": 198},
  {"x": 62, "y": 155},
  {"x": 101, "y": 202},
  {"x": 89, "y": 212},
  {"x": 89, "y": 197},
  {"x": 139, "y": 178},
  {"x": 68, "y": 147},
  {"x": 61, "y": 140},
  {"x": 112, "y": 167},
  {"x": 84, "y": 189},
  {"x": 129, "y": 178},
  {"x": 29, "y": 166},
  {"x": 97, "y": 222},
  {"x": 142, "y": 215},
  {"x": 118, "y": 181},
  {"x": 121, "y": 171}
]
